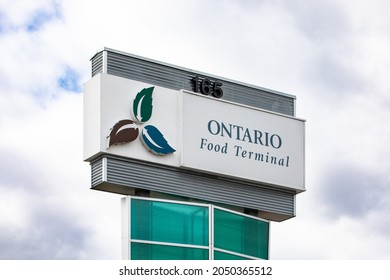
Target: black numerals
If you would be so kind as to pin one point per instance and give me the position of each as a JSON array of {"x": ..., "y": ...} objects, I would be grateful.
[
  {"x": 207, "y": 87},
  {"x": 217, "y": 90}
]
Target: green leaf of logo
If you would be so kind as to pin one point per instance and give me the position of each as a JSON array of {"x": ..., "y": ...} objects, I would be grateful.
[{"x": 142, "y": 105}]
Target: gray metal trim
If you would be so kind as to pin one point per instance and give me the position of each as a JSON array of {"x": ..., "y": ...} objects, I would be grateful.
[
  {"x": 238, "y": 254},
  {"x": 169, "y": 76},
  {"x": 240, "y": 214},
  {"x": 169, "y": 244},
  {"x": 211, "y": 232},
  {"x": 130, "y": 174}
]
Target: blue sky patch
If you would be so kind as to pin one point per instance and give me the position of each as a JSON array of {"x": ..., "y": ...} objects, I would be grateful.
[
  {"x": 41, "y": 17},
  {"x": 38, "y": 21},
  {"x": 70, "y": 80}
]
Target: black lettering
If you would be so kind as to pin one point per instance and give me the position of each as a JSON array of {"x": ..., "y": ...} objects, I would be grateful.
[
  {"x": 226, "y": 130},
  {"x": 278, "y": 143},
  {"x": 247, "y": 135},
  {"x": 216, "y": 129}
]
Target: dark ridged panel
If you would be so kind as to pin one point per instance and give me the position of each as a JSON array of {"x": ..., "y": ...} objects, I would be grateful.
[
  {"x": 164, "y": 75},
  {"x": 96, "y": 172},
  {"x": 97, "y": 64},
  {"x": 186, "y": 183}
]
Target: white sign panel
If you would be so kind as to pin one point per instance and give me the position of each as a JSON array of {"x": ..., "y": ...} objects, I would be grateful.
[
  {"x": 182, "y": 129},
  {"x": 240, "y": 141},
  {"x": 131, "y": 119}
]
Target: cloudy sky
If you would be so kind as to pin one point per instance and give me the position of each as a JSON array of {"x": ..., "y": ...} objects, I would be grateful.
[{"x": 333, "y": 55}]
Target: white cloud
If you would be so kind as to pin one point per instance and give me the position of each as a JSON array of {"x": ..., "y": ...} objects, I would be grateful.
[
  {"x": 17, "y": 14},
  {"x": 46, "y": 184}
]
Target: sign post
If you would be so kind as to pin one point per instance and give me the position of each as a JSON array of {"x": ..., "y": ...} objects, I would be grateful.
[{"x": 166, "y": 136}]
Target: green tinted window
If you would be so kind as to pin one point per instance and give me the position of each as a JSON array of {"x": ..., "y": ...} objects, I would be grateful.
[
  {"x": 141, "y": 251},
  {"x": 224, "y": 256},
  {"x": 169, "y": 222},
  {"x": 241, "y": 234}
]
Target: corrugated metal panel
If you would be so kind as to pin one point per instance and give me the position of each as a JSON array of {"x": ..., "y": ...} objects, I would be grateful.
[
  {"x": 185, "y": 183},
  {"x": 96, "y": 172},
  {"x": 97, "y": 63},
  {"x": 164, "y": 75}
]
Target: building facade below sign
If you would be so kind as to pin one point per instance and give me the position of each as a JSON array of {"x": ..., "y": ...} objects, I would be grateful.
[{"x": 155, "y": 229}]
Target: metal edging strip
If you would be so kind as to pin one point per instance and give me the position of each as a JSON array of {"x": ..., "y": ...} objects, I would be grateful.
[
  {"x": 237, "y": 254},
  {"x": 104, "y": 66},
  {"x": 169, "y": 244},
  {"x": 128, "y": 198},
  {"x": 241, "y": 214},
  {"x": 211, "y": 232},
  {"x": 104, "y": 169}
]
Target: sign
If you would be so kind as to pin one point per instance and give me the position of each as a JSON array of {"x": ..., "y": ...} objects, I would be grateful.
[
  {"x": 192, "y": 131},
  {"x": 240, "y": 141}
]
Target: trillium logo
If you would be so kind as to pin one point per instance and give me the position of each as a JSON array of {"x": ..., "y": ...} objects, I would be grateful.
[{"x": 126, "y": 131}]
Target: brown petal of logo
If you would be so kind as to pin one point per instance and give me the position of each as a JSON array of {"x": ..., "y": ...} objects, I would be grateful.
[{"x": 123, "y": 131}]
